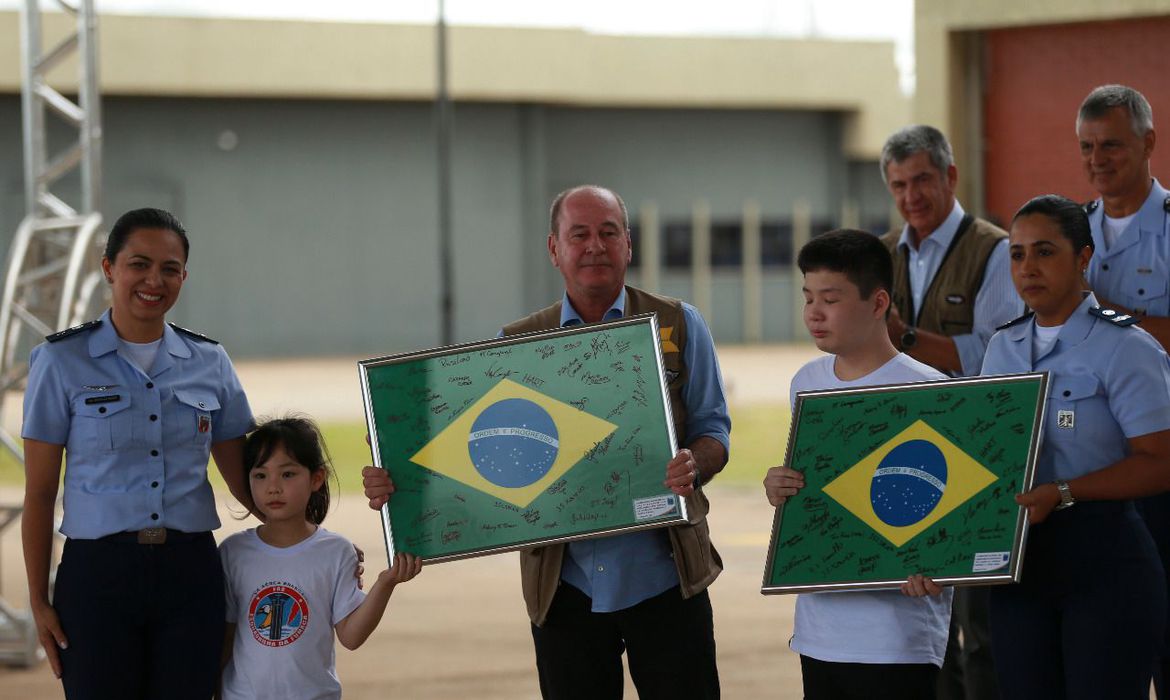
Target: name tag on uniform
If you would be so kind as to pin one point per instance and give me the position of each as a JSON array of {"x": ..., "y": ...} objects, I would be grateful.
[
  {"x": 102, "y": 399},
  {"x": 1065, "y": 419}
]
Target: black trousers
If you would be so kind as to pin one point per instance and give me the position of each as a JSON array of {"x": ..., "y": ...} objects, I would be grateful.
[
  {"x": 144, "y": 622},
  {"x": 968, "y": 670},
  {"x": 1156, "y": 513},
  {"x": 670, "y": 643},
  {"x": 831, "y": 680},
  {"x": 1089, "y": 612}
]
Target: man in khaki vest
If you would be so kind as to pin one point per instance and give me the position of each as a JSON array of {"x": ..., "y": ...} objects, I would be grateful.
[
  {"x": 952, "y": 288},
  {"x": 644, "y": 592}
]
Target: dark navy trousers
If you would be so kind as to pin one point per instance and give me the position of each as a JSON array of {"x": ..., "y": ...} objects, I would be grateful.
[
  {"x": 144, "y": 622},
  {"x": 1089, "y": 613}
]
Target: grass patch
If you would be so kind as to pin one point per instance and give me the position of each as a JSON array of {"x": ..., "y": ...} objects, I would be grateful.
[
  {"x": 758, "y": 438},
  {"x": 759, "y": 434}
]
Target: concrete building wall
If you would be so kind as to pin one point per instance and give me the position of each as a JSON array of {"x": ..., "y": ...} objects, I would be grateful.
[
  {"x": 313, "y": 223},
  {"x": 219, "y": 57}
]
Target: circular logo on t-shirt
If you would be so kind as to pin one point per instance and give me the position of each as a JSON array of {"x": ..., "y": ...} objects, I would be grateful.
[
  {"x": 908, "y": 483},
  {"x": 513, "y": 443},
  {"x": 277, "y": 614}
]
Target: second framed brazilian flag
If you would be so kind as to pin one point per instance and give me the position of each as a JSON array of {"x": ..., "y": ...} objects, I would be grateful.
[{"x": 908, "y": 479}]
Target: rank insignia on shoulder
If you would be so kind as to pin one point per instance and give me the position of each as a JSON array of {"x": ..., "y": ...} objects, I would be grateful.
[
  {"x": 1015, "y": 321},
  {"x": 1115, "y": 317},
  {"x": 1091, "y": 206},
  {"x": 88, "y": 325},
  {"x": 193, "y": 334}
]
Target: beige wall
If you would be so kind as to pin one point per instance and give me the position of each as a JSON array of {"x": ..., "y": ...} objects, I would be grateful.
[
  {"x": 947, "y": 59},
  {"x": 233, "y": 57}
]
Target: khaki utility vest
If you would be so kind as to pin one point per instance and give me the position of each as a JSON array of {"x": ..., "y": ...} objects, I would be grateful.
[
  {"x": 948, "y": 306},
  {"x": 695, "y": 558}
]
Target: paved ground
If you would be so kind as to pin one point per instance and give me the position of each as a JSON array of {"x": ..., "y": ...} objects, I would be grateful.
[{"x": 460, "y": 630}]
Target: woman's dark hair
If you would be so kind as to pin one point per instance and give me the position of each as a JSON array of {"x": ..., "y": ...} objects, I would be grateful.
[
  {"x": 859, "y": 255},
  {"x": 1069, "y": 216},
  {"x": 135, "y": 219},
  {"x": 301, "y": 439}
]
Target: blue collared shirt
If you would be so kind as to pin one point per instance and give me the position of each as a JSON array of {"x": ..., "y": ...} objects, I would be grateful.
[
  {"x": 136, "y": 444},
  {"x": 1106, "y": 384},
  {"x": 1135, "y": 272},
  {"x": 620, "y": 571},
  {"x": 996, "y": 302}
]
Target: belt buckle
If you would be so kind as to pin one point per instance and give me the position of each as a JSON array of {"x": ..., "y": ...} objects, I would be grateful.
[{"x": 152, "y": 535}]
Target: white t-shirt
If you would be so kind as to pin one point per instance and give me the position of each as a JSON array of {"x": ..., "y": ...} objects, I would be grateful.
[
  {"x": 141, "y": 355},
  {"x": 870, "y": 627},
  {"x": 284, "y": 602},
  {"x": 1113, "y": 228},
  {"x": 1043, "y": 338}
]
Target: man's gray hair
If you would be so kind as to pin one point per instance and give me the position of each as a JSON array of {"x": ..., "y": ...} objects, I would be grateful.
[
  {"x": 1104, "y": 98},
  {"x": 916, "y": 139}
]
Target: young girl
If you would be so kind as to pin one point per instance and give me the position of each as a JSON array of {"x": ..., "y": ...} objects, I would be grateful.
[{"x": 290, "y": 583}]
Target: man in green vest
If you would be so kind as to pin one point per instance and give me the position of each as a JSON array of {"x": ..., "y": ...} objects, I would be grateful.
[
  {"x": 644, "y": 592},
  {"x": 952, "y": 288}
]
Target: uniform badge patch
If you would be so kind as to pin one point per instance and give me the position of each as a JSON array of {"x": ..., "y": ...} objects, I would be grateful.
[
  {"x": 1065, "y": 419},
  {"x": 204, "y": 423},
  {"x": 277, "y": 614}
]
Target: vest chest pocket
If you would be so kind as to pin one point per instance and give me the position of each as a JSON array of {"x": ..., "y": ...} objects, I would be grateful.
[
  {"x": 1069, "y": 403},
  {"x": 101, "y": 421},
  {"x": 194, "y": 413}
]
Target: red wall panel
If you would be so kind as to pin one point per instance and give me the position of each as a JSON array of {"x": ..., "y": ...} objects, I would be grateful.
[{"x": 1035, "y": 79}]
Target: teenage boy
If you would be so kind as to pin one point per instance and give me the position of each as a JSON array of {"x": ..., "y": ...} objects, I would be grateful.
[{"x": 879, "y": 644}]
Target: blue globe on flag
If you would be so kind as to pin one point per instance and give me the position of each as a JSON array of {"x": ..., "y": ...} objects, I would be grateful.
[
  {"x": 908, "y": 483},
  {"x": 513, "y": 443}
]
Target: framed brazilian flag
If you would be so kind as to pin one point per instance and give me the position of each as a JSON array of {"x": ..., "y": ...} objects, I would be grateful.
[
  {"x": 523, "y": 440},
  {"x": 908, "y": 479}
]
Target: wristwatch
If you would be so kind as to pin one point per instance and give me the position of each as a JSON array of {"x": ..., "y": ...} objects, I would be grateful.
[
  {"x": 909, "y": 337},
  {"x": 1066, "y": 497}
]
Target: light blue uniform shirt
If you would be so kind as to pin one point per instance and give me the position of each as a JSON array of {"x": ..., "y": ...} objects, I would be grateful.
[
  {"x": 1135, "y": 272},
  {"x": 996, "y": 302},
  {"x": 136, "y": 444},
  {"x": 620, "y": 571},
  {"x": 1106, "y": 383}
]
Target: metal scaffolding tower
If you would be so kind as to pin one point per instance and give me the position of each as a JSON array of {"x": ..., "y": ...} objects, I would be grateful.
[{"x": 52, "y": 273}]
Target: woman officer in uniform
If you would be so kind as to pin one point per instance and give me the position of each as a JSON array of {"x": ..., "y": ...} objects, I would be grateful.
[
  {"x": 1087, "y": 615},
  {"x": 136, "y": 405}
]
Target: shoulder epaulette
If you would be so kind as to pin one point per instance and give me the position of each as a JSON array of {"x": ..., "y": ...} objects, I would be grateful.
[
  {"x": 193, "y": 334},
  {"x": 88, "y": 325},
  {"x": 1115, "y": 317},
  {"x": 1091, "y": 206},
  {"x": 1016, "y": 321},
  {"x": 1166, "y": 203}
]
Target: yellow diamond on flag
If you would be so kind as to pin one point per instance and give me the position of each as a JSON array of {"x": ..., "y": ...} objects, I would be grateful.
[
  {"x": 513, "y": 443},
  {"x": 909, "y": 483}
]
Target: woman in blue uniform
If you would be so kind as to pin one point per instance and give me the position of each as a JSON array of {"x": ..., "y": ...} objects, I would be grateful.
[
  {"x": 1086, "y": 618},
  {"x": 136, "y": 405}
]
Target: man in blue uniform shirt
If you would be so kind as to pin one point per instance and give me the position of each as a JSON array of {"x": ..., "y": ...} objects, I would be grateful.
[{"x": 1130, "y": 268}]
